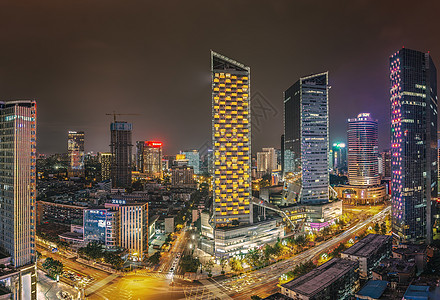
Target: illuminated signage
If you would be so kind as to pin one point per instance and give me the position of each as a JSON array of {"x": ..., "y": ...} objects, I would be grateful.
[{"x": 153, "y": 144}]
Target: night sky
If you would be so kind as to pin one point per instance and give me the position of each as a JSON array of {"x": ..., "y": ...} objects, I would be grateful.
[{"x": 82, "y": 59}]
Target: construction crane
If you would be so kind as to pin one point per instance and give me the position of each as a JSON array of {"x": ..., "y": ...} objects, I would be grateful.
[{"x": 114, "y": 114}]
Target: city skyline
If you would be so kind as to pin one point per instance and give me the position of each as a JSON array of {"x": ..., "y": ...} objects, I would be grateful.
[{"x": 119, "y": 69}]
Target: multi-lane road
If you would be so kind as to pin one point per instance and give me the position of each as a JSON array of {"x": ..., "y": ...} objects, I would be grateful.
[
  {"x": 264, "y": 282},
  {"x": 156, "y": 285}
]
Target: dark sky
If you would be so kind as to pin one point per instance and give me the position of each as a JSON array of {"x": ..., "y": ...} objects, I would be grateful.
[{"x": 82, "y": 59}]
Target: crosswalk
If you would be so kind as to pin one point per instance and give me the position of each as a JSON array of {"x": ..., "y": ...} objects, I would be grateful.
[
  {"x": 113, "y": 292},
  {"x": 161, "y": 275}
]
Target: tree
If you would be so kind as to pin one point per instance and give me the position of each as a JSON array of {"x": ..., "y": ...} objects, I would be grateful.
[
  {"x": 301, "y": 241},
  {"x": 113, "y": 259},
  {"x": 376, "y": 228},
  {"x": 189, "y": 264},
  {"x": 235, "y": 265},
  {"x": 93, "y": 250},
  {"x": 54, "y": 267},
  {"x": 235, "y": 223},
  {"x": 208, "y": 266},
  {"x": 383, "y": 228},
  {"x": 155, "y": 258},
  {"x": 223, "y": 263},
  {"x": 253, "y": 257}
]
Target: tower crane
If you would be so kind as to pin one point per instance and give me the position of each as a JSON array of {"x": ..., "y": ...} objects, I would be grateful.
[{"x": 114, "y": 114}]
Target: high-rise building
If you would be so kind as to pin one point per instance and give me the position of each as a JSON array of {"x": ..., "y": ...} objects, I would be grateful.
[
  {"x": 149, "y": 158},
  {"x": 120, "y": 145},
  {"x": 339, "y": 157},
  {"x": 75, "y": 151},
  {"x": 363, "y": 165},
  {"x": 266, "y": 161},
  {"x": 231, "y": 133},
  {"x": 18, "y": 196},
  {"x": 282, "y": 155},
  {"x": 386, "y": 165},
  {"x": 363, "y": 149},
  {"x": 193, "y": 158},
  {"x": 182, "y": 176},
  {"x": 306, "y": 136},
  {"x": 105, "y": 159},
  {"x": 413, "y": 100}
]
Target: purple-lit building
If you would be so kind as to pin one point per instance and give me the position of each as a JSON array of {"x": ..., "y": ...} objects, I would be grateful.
[
  {"x": 363, "y": 149},
  {"x": 413, "y": 95}
]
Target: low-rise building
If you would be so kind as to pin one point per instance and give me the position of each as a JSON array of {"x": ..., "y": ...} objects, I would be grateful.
[
  {"x": 417, "y": 292},
  {"x": 230, "y": 241},
  {"x": 336, "y": 279},
  {"x": 394, "y": 270},
  {"x": 369, "y": 252},
  {"x": 59, "y": 213},
  {"x": 412, "y": 253},
  {"x": 363, "y": 195},
  {"x": 372, "y": 290}
]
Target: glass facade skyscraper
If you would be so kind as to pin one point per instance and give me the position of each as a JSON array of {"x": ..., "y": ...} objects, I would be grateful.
[
  {"x": 306, "y": 136},
  {"x": 363, "y": 150},
  {"x": 231, "y": 136},
  {"x": 413, "y": 97}
]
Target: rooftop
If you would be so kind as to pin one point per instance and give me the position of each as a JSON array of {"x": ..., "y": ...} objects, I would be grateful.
[
  {"x": 321, "y": 277},
  {"x": 373, "y": 289},
  {"x": 394, "y": 265},
  {"x": 410, "y": 249},
  {"x": 368, "y": 245},
  {"x": 415, "y": 292}
]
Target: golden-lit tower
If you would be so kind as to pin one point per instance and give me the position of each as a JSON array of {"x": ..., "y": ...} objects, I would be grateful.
[{"x": 231, "y": 136}]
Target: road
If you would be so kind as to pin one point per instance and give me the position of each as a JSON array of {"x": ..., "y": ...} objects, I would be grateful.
[{"x": 264, "y": 282}]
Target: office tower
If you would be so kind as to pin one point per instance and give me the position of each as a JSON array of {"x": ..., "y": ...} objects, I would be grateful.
[
  {"x": 306, "y": 136},
  {"x": 133, "y": 220},
  {"x": 413, "y": 100},
  {"x": 120, "y": 146},
  {"x": 149, "y": 158},
  {"x": 363, "y": 149},
  {"x": 183, "y": 176},
  {"x": 193, "y": 158},
  {"x": 105, "y": 159},
  {"x": 339, "y": 157},
  {"x": 386, "y": 165},
  {"x": 231, "y": 133},
  {"x": 18, "y": 194},
  {"x": 266, "y": 161},
  {"x": 75, "y": 151},
  {"x": 102, "y": 226},
  {"x": 282, "y": 155}
]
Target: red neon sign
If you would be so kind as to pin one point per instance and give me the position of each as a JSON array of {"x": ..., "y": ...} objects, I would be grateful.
[{"x": 154, "y": 144}]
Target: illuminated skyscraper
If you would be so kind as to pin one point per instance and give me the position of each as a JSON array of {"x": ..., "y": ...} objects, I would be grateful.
[
  {"x": 193, "y": 157},
  {"x": 231, "y": 133},
  {"x": 149, "y": 158},
  {"x": 120, "y": 146},
  {"x": 339, "y": 157},
  {"x": 17, "y": 195},
  {"x": 413, "y": 100},
  {"x": 75, "y": 150},
  {"x": 266, "y": 161},
  {"x": 105, "y": 159},
  {"x": 306, "y": 136},
  {"x": 363, "y": 149}
]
